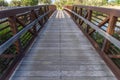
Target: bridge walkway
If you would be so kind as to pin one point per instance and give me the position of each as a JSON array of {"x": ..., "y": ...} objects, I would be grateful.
[{"x": 62, "y": 52}]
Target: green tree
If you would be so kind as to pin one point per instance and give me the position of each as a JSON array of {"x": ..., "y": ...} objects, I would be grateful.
[
  {"x": 94, "y": 2},
  {"x": 29, "y": 2},
  {"x": 15, "y": 3},
  {"x": 117, "y": 1},
  {"x": 3, "y": 3},
  {"x": 45, "y": 1},
  {"x": 79, "y": 2},
  {"x": 61, "y": 3}
]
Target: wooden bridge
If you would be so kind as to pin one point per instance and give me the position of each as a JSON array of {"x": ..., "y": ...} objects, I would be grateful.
[{"x": 77, "y": 43}]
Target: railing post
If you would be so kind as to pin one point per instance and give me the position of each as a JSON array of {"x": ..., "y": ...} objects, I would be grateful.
[
  {"x": 33, "y": 17},
  {"x": 51, "y": 9},
  {"x": 40, "y": 13},
  {"x": 75, "y": 12},
  {"x": 44, "y": 19},
  {"x": 110, "y": 30},
  {"x": 14, "y": 29},
  {"x": 72, "y": 10},
  {"x": 48, "y": 10},
  {"x": 89, "y": 16},
  {"x": 45, "y": 10},
  {"x": 80, "y": 13}
]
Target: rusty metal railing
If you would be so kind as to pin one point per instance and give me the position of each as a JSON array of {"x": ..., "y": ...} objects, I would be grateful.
[
  {"x": 102, "y": 27},
  {"x": 18, "y": 29}
]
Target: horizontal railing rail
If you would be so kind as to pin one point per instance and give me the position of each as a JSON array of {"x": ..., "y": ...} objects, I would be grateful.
[
  {"x": 102, "y": 27},
  {"x": 18, "y": 29}
]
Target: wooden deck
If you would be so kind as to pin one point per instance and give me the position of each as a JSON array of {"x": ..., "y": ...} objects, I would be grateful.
[{"x": 62, "y": 52}]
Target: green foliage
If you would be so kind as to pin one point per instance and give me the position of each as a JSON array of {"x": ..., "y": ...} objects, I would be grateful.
[
  {"x": 92, "y": 2},
  {"x": 15, "y": 3},
  {"x": 45, "y": 1},
  {"x": 98, "y": 38},
  {"x": 116, "y": 35},
  {"x": 61, "y": 3},
  {"x": 117, "y": 1},
  {"x": 3, "y": 3},
  {"x": 29, "y": 2},
  {"x": 114, "y": 3},
  {"x": 23, "y": 2}
]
